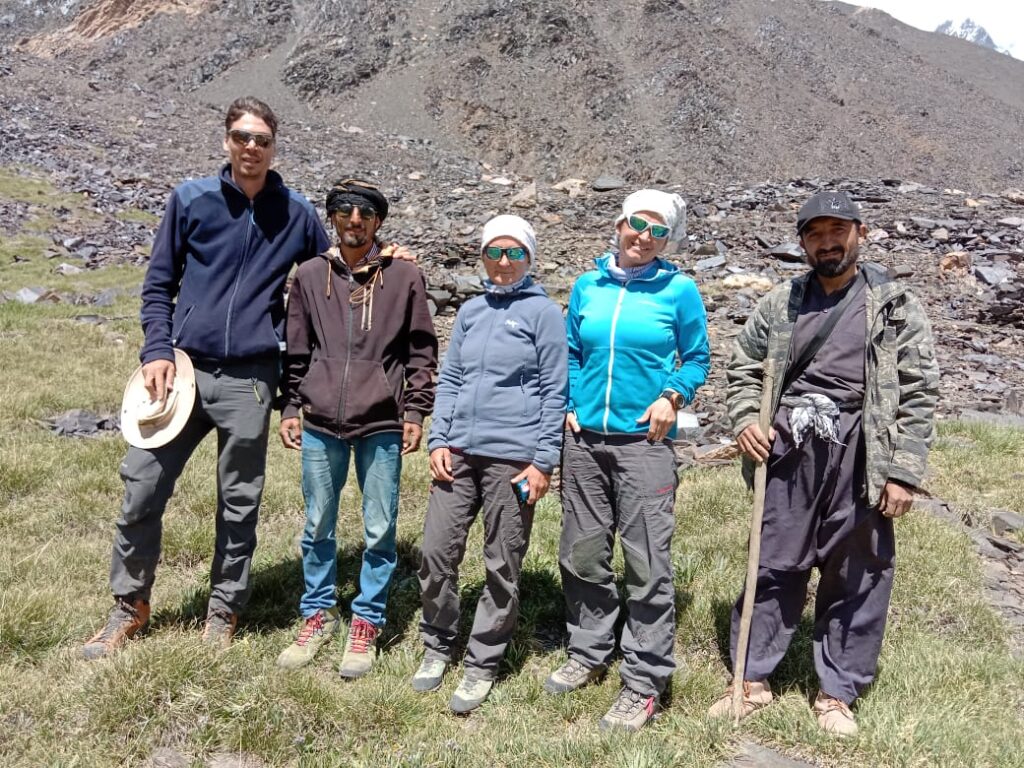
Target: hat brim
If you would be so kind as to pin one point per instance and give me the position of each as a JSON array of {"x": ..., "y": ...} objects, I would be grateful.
[
  {"x": 844, "y": 216},
  {"x": 157, "y": 435}
]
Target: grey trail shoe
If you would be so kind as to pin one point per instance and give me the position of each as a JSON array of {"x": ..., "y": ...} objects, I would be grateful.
[
  {"x": 429, "y": 676},
  {"x": 315, "y": 632},
  {"x": 471, "y": 693},
  {"x": 630, "y": 712},
  {"x": 571, "y": 676}
]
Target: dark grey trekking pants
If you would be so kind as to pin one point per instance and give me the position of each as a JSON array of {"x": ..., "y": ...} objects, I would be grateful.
[
  {"x": 235, "y": 399},
  {"x": 626, "y": 485},
  {"x": 480, "y": 483}
]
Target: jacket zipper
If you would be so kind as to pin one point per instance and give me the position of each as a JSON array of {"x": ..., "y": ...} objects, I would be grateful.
[
  {"x": 483, "y": 369},
  {"x": 611, "y": 355},
  {"x": 348, "y": 361},
  {"x": 238, "y": 280},
  {"x": 522, "y": 386},
  {"x": 181, "y": 330}
]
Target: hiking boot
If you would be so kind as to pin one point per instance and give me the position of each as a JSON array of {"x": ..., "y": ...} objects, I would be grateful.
[
  {"x": 315, "y": 632},
  {"x": 220, "y": 627},
  {"x": 834, "y": 716},
  {"x": 470, "y": 694},
  {"x": 360, "y": 649},
  {"x": 125, "y": 620},
  {"x": 571, "y": 676},
  {"x": 756, "y": 695},
  {"x": 428, "y": 677},
  {"x": 630, "y": 712}
]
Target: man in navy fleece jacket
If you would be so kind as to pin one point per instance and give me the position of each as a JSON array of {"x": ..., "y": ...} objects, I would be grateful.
[{"x": 215, "y": 289}]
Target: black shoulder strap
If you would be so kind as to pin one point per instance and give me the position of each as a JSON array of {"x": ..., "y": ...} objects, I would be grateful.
[{"x": 807, "y": 353}]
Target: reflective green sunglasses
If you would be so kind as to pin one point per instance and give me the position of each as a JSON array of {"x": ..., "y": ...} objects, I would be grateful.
[
  {"x": 515, "y": 253},
  {"x": 639, "y": 224}
]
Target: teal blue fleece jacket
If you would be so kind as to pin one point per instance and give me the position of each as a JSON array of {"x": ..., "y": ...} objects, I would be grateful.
[{"x": 630, "y": 341}]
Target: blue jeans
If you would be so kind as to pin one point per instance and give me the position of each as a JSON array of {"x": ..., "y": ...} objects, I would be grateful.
[{"x": 324, "y": 470}]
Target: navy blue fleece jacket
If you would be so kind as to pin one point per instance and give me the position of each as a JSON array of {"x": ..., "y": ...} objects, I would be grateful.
[{"x": 215, "y": 283}]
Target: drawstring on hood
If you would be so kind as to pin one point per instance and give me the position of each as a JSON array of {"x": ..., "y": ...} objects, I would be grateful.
[{"x": 362, "y": 296}]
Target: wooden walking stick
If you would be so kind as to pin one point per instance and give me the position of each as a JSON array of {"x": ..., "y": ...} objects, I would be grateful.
[{"x": 754, "y": 550}]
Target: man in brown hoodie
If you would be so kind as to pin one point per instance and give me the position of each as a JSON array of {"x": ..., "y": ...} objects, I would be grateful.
[{"x": 360, "y": 367}]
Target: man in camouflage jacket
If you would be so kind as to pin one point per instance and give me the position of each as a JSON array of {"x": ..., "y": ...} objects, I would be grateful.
[{"x": 848, "y": 444}]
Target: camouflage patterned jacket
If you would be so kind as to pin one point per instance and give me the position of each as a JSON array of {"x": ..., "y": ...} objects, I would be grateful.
[{"x": 901, "y": 374}]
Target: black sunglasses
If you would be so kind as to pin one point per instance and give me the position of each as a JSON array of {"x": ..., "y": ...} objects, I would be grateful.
[
  {"x": 365, "y": 211},
  {"x": 242, "y": 138}
]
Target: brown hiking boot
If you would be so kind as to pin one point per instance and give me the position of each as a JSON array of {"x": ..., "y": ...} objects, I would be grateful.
[
  {"x": 125, "y": 620},
  {"x": 756, "y": 695},
  {"x": 360, "y": 650},
  {"x": 220, "y": 627}
]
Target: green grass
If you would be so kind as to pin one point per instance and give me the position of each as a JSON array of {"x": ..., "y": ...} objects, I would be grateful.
[{"x": 948, "y": 692}]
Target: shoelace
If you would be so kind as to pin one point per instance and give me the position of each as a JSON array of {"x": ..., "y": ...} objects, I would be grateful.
[
  {"x": 362, "y": 634},
  {"x": 122, "y": 612},
  {"x": 574, "y": 669},
  {"x": 628, "y": 702},
  {"x": 314, "y": 625},
  {"x": 835, "y": 705},
  {"x": 218, "y": 621}
]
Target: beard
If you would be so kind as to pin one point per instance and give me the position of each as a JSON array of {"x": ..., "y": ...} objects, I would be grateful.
[
  {"x": 354, "y": 239},
  {"x": 832, "y": 267}
]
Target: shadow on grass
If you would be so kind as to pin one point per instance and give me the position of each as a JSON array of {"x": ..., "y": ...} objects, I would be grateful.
[
  {"x": 796, "y": 670},
  {"x": 277, "y": 589}
]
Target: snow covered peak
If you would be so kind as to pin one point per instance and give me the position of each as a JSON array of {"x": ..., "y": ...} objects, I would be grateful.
[{"x": 970, "y": 31}]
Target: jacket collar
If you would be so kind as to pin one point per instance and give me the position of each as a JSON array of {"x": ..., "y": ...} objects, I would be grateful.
[
  {"x": 883, "y": 287},
  {"x": 664, "y": 272},
  {"x": 273, "y": 185}
]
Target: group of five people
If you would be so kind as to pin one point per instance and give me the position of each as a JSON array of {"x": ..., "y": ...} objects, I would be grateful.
[{"x": 521, "y": 391}]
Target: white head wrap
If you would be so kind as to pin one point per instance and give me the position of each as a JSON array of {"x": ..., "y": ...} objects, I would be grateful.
[
  {"x": 507, "y": 225},
  {"x": 671, "y": 207}
]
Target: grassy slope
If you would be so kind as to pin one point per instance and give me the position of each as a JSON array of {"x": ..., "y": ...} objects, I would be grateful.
[{"x": 947, "y": 694}]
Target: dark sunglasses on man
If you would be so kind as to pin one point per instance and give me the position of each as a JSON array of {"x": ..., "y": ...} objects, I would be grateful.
[
  {"x": 365, "y": 211},
  {"x": 242, "y": 138}
]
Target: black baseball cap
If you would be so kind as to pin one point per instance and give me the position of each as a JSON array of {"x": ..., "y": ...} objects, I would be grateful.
[{"x": 836, "y": 205}]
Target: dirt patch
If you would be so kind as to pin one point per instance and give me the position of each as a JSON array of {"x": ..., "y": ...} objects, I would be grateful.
[{"x": 105, "y": 19}]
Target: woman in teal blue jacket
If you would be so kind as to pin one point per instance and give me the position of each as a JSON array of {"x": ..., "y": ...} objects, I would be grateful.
[{"x": 638, "y": 351}]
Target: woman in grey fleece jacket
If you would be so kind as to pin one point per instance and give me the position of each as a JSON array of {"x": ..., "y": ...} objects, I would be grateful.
[{"x": 498, "y": 416}]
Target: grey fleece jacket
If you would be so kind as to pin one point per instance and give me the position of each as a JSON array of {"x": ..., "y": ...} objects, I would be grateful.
[{"x": 501, "y": 391}]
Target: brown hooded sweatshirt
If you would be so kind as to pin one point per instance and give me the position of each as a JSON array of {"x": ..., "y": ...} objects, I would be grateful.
[{"x": 361, "y": 349}]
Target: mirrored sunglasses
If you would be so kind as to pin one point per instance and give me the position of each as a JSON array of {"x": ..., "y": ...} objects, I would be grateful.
[
  {"x": 515, "y": 253},
  {"x": 639, "y": 224},
  {"x": 242, "y": 138}
]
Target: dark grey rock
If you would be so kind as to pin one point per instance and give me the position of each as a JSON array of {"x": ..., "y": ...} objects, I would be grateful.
[
  {"x": 82, "y": 423},
  {"x": 791, "y": 252},
  {"x": 993, "y": 275},
  {"x": 755, "y": 756}
]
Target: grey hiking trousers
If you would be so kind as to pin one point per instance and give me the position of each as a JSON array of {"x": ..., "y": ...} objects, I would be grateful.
[
  {"x": 619, "y": 484},
  {"x": 234, "y": 399},
  {"x": 480, "y": 483}
]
